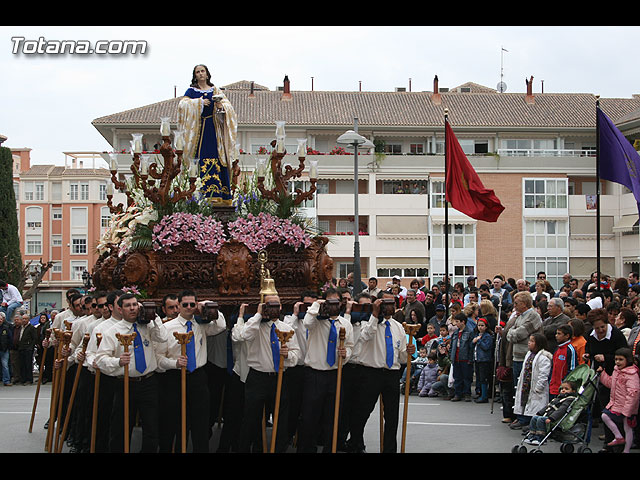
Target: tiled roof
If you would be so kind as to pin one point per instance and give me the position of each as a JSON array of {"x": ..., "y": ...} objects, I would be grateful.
[
  {"x": 57, "y": 171},
  {"x": 399, "y": 109}
]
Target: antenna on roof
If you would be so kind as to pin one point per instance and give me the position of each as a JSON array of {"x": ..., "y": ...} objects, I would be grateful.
[{"x": 502, "y": 87}]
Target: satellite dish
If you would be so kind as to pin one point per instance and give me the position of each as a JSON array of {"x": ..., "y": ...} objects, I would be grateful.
[{"x": 502, "y": 87}]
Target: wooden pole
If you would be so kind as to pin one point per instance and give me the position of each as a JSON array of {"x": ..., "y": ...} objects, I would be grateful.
[
  {"x": 381, "y": 424},
  {"x": 183, "y": 339},
  {"x": 410, "y": 331},
  {"x": 96, "y": 393},
  {"x": 76, "y": 380},
  {"x": 336, "y": 408},
  {"x": 126, "y": 340},
  {"x": 284, "y": 338},
  {"x": 35, "y": 399},
  {"x": 54, "y": 390},
  {"x": 66, "y": 339}
]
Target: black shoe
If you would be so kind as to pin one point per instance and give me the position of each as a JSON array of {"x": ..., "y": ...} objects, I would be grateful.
[
  {"x": 46, "y": 425},
  {"x": 456, "y": 399}
]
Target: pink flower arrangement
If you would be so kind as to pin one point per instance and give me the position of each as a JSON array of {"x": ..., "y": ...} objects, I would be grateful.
[
  {"x": 259, "y": 231},
  {"x": 206, "y": 233}
]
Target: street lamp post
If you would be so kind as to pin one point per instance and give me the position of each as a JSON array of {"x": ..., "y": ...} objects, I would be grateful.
[{"x": 353, "y": 139}]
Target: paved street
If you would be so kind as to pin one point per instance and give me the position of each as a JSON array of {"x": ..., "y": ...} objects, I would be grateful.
[{"x": 434, "y": 426}]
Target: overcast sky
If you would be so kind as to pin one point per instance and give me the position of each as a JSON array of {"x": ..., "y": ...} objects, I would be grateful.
[{"x": 48, "y": 100}]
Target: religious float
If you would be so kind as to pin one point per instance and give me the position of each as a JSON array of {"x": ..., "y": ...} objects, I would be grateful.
[{"x": 171, "y": 235}]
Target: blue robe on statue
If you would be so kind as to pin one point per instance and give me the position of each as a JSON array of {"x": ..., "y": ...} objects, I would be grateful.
[{"x": 214, "y": 175}]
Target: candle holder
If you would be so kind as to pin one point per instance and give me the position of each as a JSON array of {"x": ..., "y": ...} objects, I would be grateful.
[{"x": 281, "y": 180}]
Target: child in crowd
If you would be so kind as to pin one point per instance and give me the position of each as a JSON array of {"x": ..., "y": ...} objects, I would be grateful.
[
  {"x": 429, "y": 339},
  {"x": 444, "y": 338},
  {"x": 532, "y": 391},
  {"x": 429, "y": 375},
  {"x": 553, "y": 412},
  {"x": 417, "y": 365},
  {"x": 564, "y": 358},
  {"x": 442, "y": 381},
  {"x": 578, "y": 341},
  {"x": 622, "y": 408},
  {"x": 483, "y": 358}
]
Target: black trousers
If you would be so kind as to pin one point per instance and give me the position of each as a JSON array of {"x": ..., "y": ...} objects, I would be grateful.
[
  {"x": 295, "y": 384},
  {"x": 106, "y": 396},
  {"x": 81, "y": 414},
  {"x": 259, "y": 395},
  {"x": 351, "y": 384},
  {"x": 232, "y": 411},
  {"x": 143, "y": 399},
  {"x": 377, "y": 382},
  {"x": 318, "y": 409},
  {"x": 216, "y": 377},
  {"x": 197, "y": 421},
  {"x": 25, "y": 358}
]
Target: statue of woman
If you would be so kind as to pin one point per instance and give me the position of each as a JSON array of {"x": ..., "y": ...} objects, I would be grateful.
[{"x": 210, "y": 126}]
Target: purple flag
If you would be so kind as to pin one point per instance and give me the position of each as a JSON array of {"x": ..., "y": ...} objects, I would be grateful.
[{"x": 619, "y": 162}]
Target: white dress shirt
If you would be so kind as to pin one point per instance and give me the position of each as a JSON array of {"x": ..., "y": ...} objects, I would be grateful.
[
  {"x": 168, "y": 352},
  {"x": 92, "y": 346},
  {"x": 257, "y": 335},
  {"x": 357, "y": 342},
  {"x": 240, "y": 350},
  {"x": 11, "y": 295},
  {"x": 318, "y": 341},
  {"x": 374, "y": 351},
  {"x": 108, "y": 355},
  {"x": 301, "y": 334}
]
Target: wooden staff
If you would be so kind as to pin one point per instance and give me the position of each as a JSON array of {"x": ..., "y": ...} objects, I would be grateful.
[
  {"x": 47, "y": 333},
  {"x": 96, "y": 393},
  {"x": 411, "y": 330},
  {"x": 76, "y": 380},
  {"x": 381, "y": 424},
  {"x": 336, "y": 409},
  {"x": 284, "y": 338},
  {"x": 57, "y": 333},
  {"x": 66, "y": 339},
  {"x": 183, "y": 339},
  {"x": 125, "y": 341}
]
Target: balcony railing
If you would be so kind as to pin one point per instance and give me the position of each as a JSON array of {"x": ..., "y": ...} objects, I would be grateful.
[{"x": 544, "y": 152}]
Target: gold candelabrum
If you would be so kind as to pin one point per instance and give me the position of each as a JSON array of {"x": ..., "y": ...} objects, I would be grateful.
[
  {"x": 155, "y": 184},
  {"x": 280, "y": 179}
]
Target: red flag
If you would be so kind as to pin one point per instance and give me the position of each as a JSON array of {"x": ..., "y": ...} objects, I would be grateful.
[{"x": 464, "y": 190}]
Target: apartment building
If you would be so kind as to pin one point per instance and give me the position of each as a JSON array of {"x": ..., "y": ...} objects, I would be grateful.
[
  {"x": 62, "y": 213},
  {"x": 536, "y": 150}
]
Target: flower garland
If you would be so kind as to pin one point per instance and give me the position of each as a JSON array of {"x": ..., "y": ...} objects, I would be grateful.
[
  {"x": 259, "y": 231},
  {"x": 205, "y": 232},
  {"x": 122, "y": 226}
]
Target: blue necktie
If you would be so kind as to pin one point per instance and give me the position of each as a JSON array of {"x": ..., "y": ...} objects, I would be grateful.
[
  {"x": 389, "y": 343},
  {"x": 331, "y": 347},
  {"x": 191, "y": 350},
  {"x": 275, "y": 347},
  {"x": 229, "y": 354},
  {"x": 138, "y": 351}
]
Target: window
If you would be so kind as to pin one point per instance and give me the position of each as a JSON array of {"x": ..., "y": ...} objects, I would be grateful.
[
  {"x": 105, "y": 217},
  {"x": 304, "y": 187},
  {"x": 415, "y": 187},
  {"x": 56, "y": 214},
  {"x": 437, "y": 194},
  {"x": 546, "y": 234},
  {"x": 322, "y": 186},
  {"x": 406, "y": 272},
  {"x": 545, "y": 193},
  {"x": 79, "y": 245},
  {"x": 56, "y": 191},
  {"x": 460, "y": 274},
  {"x": 79, "y": 218},
  {"x": 393, "y": 148},
  {"x": 84, "y": 191},
  {"x": 56, "y": 267},
  {"x": 77, "y": 269},
  {"x": 554, "y": 267},
  {"x": 103, "y": 191},
  {"x": 33, "y": 217},
  {"x": 56, "y": 240},
  {"x": 461, "y": 235},
  {"x": 34, "y": 245},
  {"x": 416, "y": 148},
  {"x": 324, "y": 225},
  {"x": 39, "y": 191},
  {"x": 73, "y": 191},
  {"x": 28, "y": 191}
]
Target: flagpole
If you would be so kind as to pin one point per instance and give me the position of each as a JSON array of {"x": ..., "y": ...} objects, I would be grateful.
[
  {"x": 597, "y": 195},
  {"x": 446, "y": 218}
]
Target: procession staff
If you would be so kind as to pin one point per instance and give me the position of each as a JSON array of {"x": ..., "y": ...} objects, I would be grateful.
[
  {"x": 111, "y": 359},
  {"x": 76, "y": 380},
  {"x": 172, "y": 362},
  {"x": 57, "y": 333},
  {"x": 384, "y": 350},
  {"x": 111, "y": 315},
  {"x": 323, "y": 320},
  {"x": 35, "y": 399},
  {"x": 336, "y": 409},
  {"x": 410, "y": 330},
  {"x": 263, "y": 360},
  {"x": 96, "y": 396},
  {"x": 283, "y": 338}
]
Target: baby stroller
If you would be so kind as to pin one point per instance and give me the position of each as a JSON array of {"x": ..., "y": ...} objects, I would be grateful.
[{"x": 575, "y": 425}]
